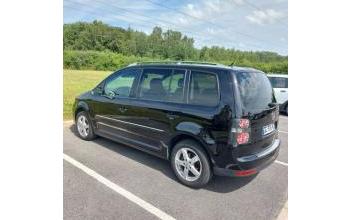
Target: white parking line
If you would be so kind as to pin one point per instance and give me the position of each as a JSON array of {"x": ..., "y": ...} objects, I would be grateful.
[
  {"x": 282, "y": 163},
  {"x": 286, "y": 132},
  {"x": 128, "y": 195}
]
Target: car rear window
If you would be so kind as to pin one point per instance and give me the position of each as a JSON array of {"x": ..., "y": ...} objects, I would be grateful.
[
  {"x": 255, "y": 91},
  {"x": 279, "y": 82}
]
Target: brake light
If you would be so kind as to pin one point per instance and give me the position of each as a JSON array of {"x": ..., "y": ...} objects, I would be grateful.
[
  {"x": 241, "y": 131},
  {"x": 243, "y": 123},
  {"x": 242, "y": 138}
]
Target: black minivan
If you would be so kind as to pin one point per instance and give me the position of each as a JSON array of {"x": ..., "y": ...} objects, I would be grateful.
[{"x": 205, "y": 118}]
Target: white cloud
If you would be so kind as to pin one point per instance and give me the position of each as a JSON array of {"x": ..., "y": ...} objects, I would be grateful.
[
  {"x": 211, "y": 30},
  {"x": 267, "y": 16},
  {"x": 222, "y": 22},
  {"x": 190, "y": 6},
  {"x": 209, "y": 8},
  {"x": 182, "y": 20},
  {"x": 213, "y": 6}
]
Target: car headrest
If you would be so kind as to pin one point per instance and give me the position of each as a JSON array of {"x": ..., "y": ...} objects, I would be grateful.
[
  {"x": 156, "y": 84},
  {"x": 180, "y": 83}
]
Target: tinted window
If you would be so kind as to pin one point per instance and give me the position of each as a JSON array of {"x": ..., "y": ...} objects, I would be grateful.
[
  {"x": 162, "y": 85},
  {"x": 203, "y": 89},
  {"x": 255, "y": 91},
  {"x": 120, "y": 85},
  {"x": 279, "y": 82},
  {"x": 176, "y": 86}
]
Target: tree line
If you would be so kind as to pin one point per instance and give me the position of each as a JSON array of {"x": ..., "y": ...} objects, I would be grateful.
[{"x": 100, "y": 46}]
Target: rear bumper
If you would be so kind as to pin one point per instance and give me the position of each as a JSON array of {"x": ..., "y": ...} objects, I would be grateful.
[{"x": 252, "y": 164}]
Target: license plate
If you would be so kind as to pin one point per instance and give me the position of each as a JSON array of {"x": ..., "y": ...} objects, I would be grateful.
[{"x": 267, "y": 129}]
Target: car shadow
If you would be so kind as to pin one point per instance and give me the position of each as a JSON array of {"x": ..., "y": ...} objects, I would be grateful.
[{"x": 219, "y": 184}]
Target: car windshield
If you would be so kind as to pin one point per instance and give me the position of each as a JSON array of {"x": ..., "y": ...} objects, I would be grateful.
[
  {"x": 255, "y": 91},
  {"x": 278, "y": 82}
]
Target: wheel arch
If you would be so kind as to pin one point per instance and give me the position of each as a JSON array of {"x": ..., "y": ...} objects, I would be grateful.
[{"x": 81, "y": 106}]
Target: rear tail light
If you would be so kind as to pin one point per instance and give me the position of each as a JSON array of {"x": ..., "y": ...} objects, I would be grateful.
[
  {"x": 242, "y": 138},
  {"x": 241, "y": 131},
  {"x": 243, "y": 123}
]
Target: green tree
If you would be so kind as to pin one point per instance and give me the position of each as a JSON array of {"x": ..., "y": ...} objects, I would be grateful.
[{"x": 169, "y": 44}]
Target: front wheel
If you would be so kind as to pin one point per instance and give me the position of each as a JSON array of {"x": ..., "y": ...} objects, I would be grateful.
[
  {"x": 84, "y": 126},
  {"x": 191, "y": 164}
]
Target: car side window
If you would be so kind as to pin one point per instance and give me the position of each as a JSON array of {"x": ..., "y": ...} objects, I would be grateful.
[
  {"x": 162, "y": 85},
  {"x": 279, "y": 82},
  {"x": 120, "y": 85},
  {"x": 176, "y": 86},
  {"x": 203, "y": 89}
]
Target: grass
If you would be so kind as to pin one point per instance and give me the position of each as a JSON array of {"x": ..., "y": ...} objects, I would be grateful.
[{"x": 77, "y": 82}]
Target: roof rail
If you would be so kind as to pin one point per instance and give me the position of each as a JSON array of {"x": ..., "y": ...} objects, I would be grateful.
[{"x": 175, "y": 62}]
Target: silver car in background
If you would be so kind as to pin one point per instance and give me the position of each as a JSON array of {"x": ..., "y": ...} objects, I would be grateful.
[{"x": 279, "y": 83}]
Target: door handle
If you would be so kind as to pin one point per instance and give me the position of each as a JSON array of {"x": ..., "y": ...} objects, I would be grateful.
[
  {"x": 282, "y": 90},
  {"x": 171, "y": 116},
  {"x": 123, "y": 109}
]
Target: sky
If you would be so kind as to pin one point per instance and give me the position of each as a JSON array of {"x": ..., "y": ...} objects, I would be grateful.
[{"x": 255, "y": 25}]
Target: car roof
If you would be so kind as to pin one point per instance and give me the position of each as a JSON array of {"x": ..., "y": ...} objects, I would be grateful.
[
  {"x": 188, "y": 64},
  {"x": 278, "y": 75}
]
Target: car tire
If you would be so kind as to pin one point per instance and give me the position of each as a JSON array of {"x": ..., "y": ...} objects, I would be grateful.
[
  {"x": 84, "y": 126},
  {"x": 191, "y": 164},
  {"x": 286, "y": 109}
]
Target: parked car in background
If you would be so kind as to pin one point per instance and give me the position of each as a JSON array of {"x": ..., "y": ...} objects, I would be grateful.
[
  {"x": 205, "y": 118},
  {"x": 279, "y": 83}
]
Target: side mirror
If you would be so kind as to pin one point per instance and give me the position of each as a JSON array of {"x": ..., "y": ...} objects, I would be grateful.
[{"x": 97, "y": 91}]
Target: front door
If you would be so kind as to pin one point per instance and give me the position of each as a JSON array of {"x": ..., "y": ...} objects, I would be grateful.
[{"x": 113, "y": 104}]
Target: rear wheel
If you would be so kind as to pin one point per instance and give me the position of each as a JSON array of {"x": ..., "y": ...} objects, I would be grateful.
[
  {"x": 190, "y": 164},
  {"x": 84, "y": 126}
]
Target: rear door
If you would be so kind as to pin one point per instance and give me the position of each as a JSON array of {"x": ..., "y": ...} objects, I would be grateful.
[
  {"x": 156, "y": 106},
  {"x": 259, "y": 106},
  {"x": 280, "y": 86}
]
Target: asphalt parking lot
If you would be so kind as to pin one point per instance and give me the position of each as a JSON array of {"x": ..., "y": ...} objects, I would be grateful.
[{"x": 100, "y": 187}]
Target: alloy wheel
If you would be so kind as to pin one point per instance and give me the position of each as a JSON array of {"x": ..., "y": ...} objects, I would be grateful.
[
  {"x": 188, "y": 164},
  {"x": 83, "y": 126}
]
